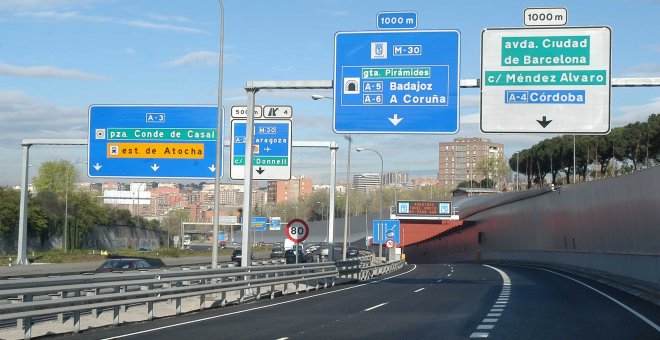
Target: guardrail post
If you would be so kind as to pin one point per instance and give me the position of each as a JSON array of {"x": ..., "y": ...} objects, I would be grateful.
[
  {"x": 115, "y": 310},
  {"x": 55, "y": 296},
  {"x": 202, "y": 301},
  {"x": 178, "y": 306},
  {"x": 76, "y": 316},
  {"x": 150, "y": 304},
  {"x": 223, "y": 299},
  {"x": 26, "y": 322},
  {"x": 122, "y": 290}
]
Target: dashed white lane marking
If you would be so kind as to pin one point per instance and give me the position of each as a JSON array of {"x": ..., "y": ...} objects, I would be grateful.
[
  {"x": 376, "y": 306},
  {"x": 438, "y": 281},
  {"x": 284, "y": 338},
  {"x": 419, "y": 290},
  {"x": 498, "y": 307},
  {"x": 477, "y": 335}
]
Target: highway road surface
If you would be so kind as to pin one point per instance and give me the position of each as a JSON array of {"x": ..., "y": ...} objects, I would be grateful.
[{"x": 433, "y": 301}]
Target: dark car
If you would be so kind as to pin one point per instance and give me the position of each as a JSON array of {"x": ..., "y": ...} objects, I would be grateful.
[
  {"x": 237, "y": 255},
  {"x": 352, "y": 251},
  {"x": 126, "y": 264},
  {"x": 290, "y": 256},
  {"x": 277, "y": 252}
]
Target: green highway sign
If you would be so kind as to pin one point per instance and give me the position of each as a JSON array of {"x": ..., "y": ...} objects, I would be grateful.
[{"x": 546, "y": 80}]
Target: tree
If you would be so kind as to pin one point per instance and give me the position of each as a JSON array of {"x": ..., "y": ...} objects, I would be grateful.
[
  {"x": 495, "y": 172},
  {"x": 173, "y": 220},
  {"x": 58, "y": 177}
]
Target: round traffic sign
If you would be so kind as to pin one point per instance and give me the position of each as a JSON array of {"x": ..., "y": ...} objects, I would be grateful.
[
  {"x": 389, "y": 243},
  {"x": 297, "y": 230}
]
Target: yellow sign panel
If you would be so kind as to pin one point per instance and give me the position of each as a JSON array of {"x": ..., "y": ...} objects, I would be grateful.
[{"x": 156, "y": 150}]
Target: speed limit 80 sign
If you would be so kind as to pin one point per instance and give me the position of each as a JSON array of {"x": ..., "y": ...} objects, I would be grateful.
[{"x": 297, "y": 230}]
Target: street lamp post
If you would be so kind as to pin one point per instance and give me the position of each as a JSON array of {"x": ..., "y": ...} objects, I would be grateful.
[
  {"x": 380, "y": 209},
  {"x": 218, "y": 145}
]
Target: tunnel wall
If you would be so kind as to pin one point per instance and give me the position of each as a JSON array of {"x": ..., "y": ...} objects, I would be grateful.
[{"x": 610, "y": 226}]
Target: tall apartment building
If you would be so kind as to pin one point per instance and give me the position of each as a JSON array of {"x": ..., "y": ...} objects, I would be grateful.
[
  {"x": 289, "y": 191},
  {"x": 395, "y": 177},
  {"x": 366, "y": 181},
  {"x": 459, "y": 159}
]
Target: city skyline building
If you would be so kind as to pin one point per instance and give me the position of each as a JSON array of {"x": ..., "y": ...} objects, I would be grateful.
[{"x": 459, "y": 161}]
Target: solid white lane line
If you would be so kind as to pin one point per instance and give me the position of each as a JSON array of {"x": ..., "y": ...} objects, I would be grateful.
[
  {"x": 419, "y": 290},
  {"x": 505, "y": 278},
  {"x": 260, "y": 307},
  {"x": 642, "y": 317},
  {"x": 376, "y": 306}
]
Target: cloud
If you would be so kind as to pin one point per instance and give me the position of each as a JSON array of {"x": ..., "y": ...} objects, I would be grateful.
[
  {"x": 24, "y": 117},
  {"x": 24, "y": 5},
  {"x": 195, "y": 58},
  {"x": 206, "y": 58},
  {"x": 46, "y": 72},
  {"x": 636, "y": 113},
  {"x": 73, "y": 15}
]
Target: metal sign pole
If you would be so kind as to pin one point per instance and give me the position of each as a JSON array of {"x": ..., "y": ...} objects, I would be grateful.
[{"x": 247, "y": 182}]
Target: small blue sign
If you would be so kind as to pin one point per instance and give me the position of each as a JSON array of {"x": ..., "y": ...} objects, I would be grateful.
[
  {"x": 391, "y": 230},
  {"x": 150, "y": 141},
  {"x": 258, "y": 224},
  {"x": 275, "y": 223},
  {"x": 271, "y": 156},
  {"x": 396, "y": 20},
  {"x": 397, "y": 82},
  {"x": 222, "y": 237}
]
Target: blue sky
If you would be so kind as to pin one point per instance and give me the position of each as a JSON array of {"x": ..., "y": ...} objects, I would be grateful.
[{"x": 57, "y": 57}]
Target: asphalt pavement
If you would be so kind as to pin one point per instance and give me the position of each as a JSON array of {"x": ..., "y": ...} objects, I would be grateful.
[{"x": 434, "y": 301}]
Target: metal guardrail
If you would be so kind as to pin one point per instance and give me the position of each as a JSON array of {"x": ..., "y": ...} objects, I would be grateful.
[{"x": 76, "y": 294}]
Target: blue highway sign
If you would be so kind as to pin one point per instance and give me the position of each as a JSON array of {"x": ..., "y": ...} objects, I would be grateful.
[
  {"x": 391, "y": 230},
  {"x": 271, "y": 156},
  {"x": 151, "y": 141},
  {"x": 258, "y": 224},
  {"x": 397, "y": 82}
]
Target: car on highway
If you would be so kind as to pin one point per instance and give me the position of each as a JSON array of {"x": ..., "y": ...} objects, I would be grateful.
[
  {"x": 237, "y": 255},
  {"x": 290, "y": 256},
  {"x": 124, "y": 264},
  {"x": 277, "y": 252}
]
